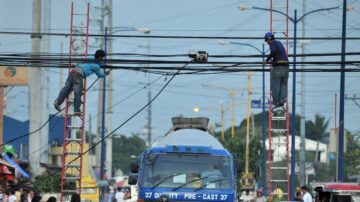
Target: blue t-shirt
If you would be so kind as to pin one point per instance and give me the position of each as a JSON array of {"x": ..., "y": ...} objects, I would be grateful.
[
  {"x": 277, "y": 53},
  {"x": 90, "y": 66}
]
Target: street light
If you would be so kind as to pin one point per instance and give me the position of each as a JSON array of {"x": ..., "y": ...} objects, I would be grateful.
[
  {"x": 222, "y": 111},
  {"x": 294, "y": 20},
  {"x": 232, "y": 92},
  {"x": 262, "y": 52}
]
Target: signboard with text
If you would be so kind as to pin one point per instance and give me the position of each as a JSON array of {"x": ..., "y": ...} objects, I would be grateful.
[
  {"x": 11, "y": 75},
  {"x": 259, "y": 103}
]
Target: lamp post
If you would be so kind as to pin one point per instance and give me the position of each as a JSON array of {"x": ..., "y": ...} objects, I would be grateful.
[
  {"x": 262, "y": 52},
  {"x": 295, "y": 20},
  {"x": 232, "y": 92},
  {"x": 222, "y": 112}
]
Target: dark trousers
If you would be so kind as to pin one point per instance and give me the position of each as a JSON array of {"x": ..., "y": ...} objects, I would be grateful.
[
  {"x": 73, "y": 82},
  {"x": 279, "y": 80}
]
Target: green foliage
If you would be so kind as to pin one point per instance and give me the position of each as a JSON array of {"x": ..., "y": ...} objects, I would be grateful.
[
  {"x": 125, "y": 147},
  {"x": 48, "y": 183},
  {"x": 352, "y": 155},
  {"x": 316, "y": 130}
]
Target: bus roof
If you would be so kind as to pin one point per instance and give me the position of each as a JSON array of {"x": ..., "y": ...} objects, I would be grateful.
[{"x": 337, "y": 187}]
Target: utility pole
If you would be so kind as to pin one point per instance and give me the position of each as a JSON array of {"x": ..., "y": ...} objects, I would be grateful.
[
  {"x": 149, "y": 100},
  {"x": 342, "y": 99},
  {"x": 101, "y": 88},
  {"x": 222, "y": 110},
  {"x": 248, "y": 125},
  {"x": 44, "y": 132},
  {"x": 302, "y": 104},
  {"x": 34, "y": 90},
  {"x": 108, "y": 161}
]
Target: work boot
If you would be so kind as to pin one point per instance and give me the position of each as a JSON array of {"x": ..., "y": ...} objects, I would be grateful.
[{"x": 57, "y": 105}]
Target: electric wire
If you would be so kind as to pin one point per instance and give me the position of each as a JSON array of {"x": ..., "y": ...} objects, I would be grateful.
[
  {"x": 125, "y": 122},
  {"x": 44, "y": 124}
]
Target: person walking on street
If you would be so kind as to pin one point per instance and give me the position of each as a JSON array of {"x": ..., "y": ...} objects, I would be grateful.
[
  {"x": 75, "y": 80},
  {"x": 306, "y": 195},
  {"x": 119, "y": 196},
  {"x": 280, "y": 70}
]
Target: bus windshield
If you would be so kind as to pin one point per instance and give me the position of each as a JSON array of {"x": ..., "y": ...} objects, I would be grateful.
[{"x": 197, "y": 171}]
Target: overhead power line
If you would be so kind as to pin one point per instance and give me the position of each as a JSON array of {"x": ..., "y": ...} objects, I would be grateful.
[{"x": 34, "y": 34}]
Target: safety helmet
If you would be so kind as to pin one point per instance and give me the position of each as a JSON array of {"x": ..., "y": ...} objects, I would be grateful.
[
  {"x": 99, "y": 53},
  {"x": 268, "y": 35}
]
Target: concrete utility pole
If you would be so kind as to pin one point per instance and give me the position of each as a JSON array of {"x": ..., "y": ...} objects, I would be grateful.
[
  {"x": 149, "y": 100},
  {"x": 34, "y": 90},
  {"x": 302, "y": 104},
  {"x": 108, "y": 161},
  {"x": 101, "y": 87},
  {"x": 44, "y": 133},
  {"x": 248, "y": 125}
]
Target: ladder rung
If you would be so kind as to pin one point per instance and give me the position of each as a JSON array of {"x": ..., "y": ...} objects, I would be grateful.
[
  {"x": 73, "y": 140},
  {"x": 70, "y": 191},
  {"x": 74, "y": 127},
  {"x": 72, "y": 153},
  {"x": 279, "y": 143},
  {"x": 279, "y": 168},
  {"x": 278, "y": 130},
  {"x": 71, "y": 178},
  {"x": 279, "y": 180},
  {"x": 72, "y": 165},
  {"x": 278, "y": 118}
]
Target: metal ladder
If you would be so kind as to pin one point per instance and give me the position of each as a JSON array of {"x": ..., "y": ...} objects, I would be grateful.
[
  {"x": 279, "y": 153},
  {"x": 74, "y": 135}
]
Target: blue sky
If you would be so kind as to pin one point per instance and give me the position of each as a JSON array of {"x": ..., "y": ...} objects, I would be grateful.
[{"x": 201, "y": 18}]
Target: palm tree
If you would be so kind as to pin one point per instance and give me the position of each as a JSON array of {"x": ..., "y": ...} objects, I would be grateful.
[{"x": 318, "y": 129}]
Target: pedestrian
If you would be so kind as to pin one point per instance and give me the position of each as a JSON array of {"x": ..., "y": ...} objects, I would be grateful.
[
  {"x": 280, "y": 71},
  {"x": 119, "y": 196},
  {"x": 75, "y": 198},
  {"x": 51, "y": 199},
  {"x": 298, "y": 196},
  {"x": 75, "y": 79},
  {"x": 246, "y": 196},
  {"x": 259, "y": 196},
  {"x": 306, "y": 195},
  {"x": 12, "y": 197}
]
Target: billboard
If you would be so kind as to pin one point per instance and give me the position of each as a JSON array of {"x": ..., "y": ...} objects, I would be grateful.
[{"x": 11, "y": 75}]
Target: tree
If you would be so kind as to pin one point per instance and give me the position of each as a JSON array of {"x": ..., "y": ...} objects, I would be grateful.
[
  {"x": 125, "y": 147},
  {"x": 49, "y": 183},
  {"x": 352, "y": 154},
  {"x": 316, "y": 130}
]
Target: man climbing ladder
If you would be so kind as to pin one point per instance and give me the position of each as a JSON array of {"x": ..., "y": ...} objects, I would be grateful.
[
  {"x": 75, "y": 80},
  {"x": 279, "y": 73}
]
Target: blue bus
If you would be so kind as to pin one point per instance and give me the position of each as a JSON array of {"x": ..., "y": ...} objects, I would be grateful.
[{"x": 186, "y": 164}]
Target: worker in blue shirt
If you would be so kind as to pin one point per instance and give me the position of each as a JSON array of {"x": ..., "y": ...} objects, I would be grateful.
[
  {"x": 280, "y": 71},
  {"x": 75, "y": 80}
]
